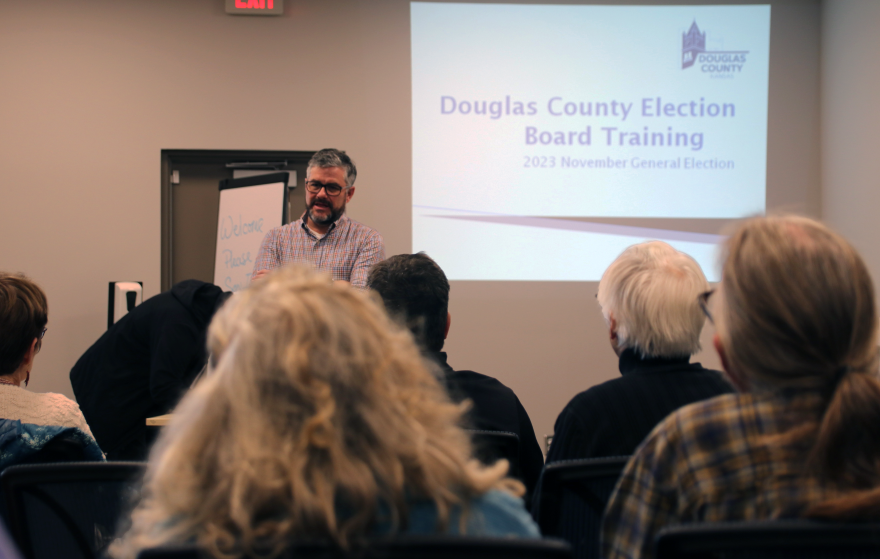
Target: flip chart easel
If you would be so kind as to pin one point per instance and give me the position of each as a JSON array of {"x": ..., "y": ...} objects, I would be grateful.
[{"x": 249, "y": 208}]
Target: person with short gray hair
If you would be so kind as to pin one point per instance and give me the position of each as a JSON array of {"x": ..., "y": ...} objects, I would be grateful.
[
  {"x": 324, "y": 237},
  {"x": 649, "y": 298},
  {"x": 327, "y": 158}
]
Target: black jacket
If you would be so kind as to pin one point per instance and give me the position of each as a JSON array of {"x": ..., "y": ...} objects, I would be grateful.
[
  {"x": 143, "y": 364},
  {"x": 496, "y": 408},
  {"x": 612, "y": 418}
]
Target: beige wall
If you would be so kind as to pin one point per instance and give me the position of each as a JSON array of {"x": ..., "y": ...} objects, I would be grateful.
[
  {"x": 851, "y": 124},
  {"x": 92, "y": 91}
]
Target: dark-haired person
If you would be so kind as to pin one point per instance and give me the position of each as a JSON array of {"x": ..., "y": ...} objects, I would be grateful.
[
  {"x": 324, "y": 237},
  {"x": 648, "y": 297},
  {"x": 31, "y": 423},
  {"x": 415, "y": 291},
  {"x": 796, "y": 324},
  {"x": 142, "y": 365}
]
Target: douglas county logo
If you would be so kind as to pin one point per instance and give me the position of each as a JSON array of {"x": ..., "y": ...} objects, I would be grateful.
[{"x": 693, "y": 50}]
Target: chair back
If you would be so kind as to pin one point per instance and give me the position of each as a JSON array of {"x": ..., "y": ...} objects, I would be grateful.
[
  {"x": 68, "y": 510},
  {"x": 405, "y": 547},
  {"x": 491, "y": 446},
  {"x": 571, "y": 497},
  {"x": 58, "y": 449},
  {"x": 769, "y": 539}
]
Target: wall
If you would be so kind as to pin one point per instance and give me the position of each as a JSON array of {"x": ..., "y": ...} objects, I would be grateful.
[
  {"x": 94, "y": 90},
  {"x": 851, "y": 124}
]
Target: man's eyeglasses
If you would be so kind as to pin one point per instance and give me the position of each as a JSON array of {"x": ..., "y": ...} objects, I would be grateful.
[
  {"x": 703, "y": 300},
  {"x": 331, "y": 189}
]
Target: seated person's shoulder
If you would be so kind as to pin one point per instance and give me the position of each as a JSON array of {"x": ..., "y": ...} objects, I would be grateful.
[
  {"x": 604, "y": 393},
  {"x": 702, "y": 422},
  {"x": 471, "y": 378},
  {"x": 716, "y": 379},
  {"x": 493, "y": 401},
  {"x": 57, "y": 409},
  {"x": 495, "y": 405},
  {"x": 58, "y": 402},
  {"x": 714, "y": 407},
  {"x": 624, "y": 390},
  {"x": 494, "y": 513},
  {"x": 604, "y": 388},
  {"x": 36, "y": 404},
  {"x": 583, "y": 423},
  {"x": 498, "y": 513}
]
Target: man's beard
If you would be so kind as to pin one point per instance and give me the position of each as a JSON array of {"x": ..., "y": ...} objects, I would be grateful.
[{"x": 329, "y": 219}]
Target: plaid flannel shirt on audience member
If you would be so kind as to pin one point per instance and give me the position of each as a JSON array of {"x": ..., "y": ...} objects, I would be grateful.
[
  {"x": 347, "y": 251},
  {"x": 721, "y": 459}
]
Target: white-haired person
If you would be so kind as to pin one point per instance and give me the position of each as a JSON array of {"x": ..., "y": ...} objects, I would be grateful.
[
  {"x": 318, "y": 419},
  {"x": 796, "y": 330},
  {"x": 648, "y": 297}
]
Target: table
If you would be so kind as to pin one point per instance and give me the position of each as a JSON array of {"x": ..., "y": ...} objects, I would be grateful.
[{"x": 159, "y": 420}]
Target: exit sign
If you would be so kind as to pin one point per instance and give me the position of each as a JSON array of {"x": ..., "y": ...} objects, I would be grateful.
[{"x": 255, "y": 7}]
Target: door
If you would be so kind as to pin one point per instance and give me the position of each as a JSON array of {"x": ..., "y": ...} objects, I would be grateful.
[{"x": 191, "y": 201}]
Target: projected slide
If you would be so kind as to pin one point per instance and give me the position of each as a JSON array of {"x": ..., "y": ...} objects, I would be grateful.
[{"x": 546, "y": 139}]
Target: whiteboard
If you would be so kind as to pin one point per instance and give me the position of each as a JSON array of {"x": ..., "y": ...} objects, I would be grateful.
[{"x": 249, "y": 208}]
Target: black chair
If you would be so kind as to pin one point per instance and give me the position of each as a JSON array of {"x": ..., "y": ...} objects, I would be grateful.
[
  {"x": 58, "y": 449},
  {"x": 405, "y": 547},
  {"x": 571, "y": 497},
  {"x": 779, "y": 539},
  {"x": 68, "y": 510},
  {"x": 491, "y": 446}
]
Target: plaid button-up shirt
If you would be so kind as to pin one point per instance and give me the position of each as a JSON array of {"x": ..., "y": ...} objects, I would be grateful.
[
  {"x": 722, "y": 459},
  {"x": 347, "y": 251}
]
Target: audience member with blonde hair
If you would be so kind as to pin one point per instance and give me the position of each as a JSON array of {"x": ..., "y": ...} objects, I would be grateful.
[
  {"x": 797, "y": 334},
  {"x": 318, "y": 419},
  {"x": 34, "y": 427},
  {"x": 648, "y": 297}
]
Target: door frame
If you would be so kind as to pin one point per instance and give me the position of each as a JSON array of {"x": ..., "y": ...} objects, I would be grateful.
[{"x": 280, "y": 160}]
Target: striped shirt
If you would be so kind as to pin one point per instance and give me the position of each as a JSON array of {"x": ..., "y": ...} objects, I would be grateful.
[
  {"x": 347, "y": 251},
  {"x": 722, "y": 459}
]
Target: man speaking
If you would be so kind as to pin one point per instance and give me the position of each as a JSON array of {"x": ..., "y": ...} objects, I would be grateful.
[{"x": 324, "y": 236}]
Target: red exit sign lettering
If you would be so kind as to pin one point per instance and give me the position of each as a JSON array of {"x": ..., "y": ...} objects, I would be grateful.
[{"x": 255, "y": 7}]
